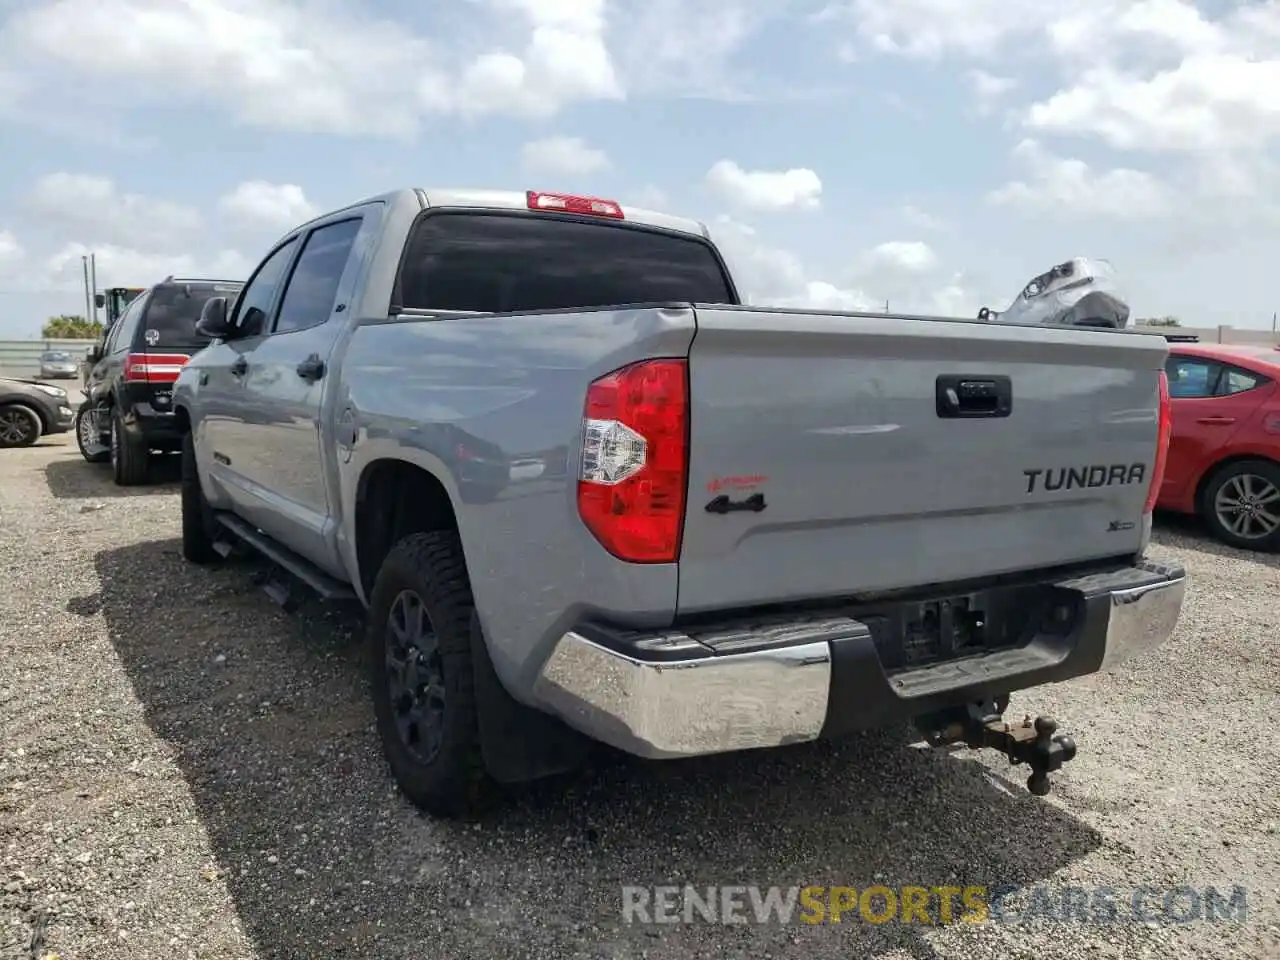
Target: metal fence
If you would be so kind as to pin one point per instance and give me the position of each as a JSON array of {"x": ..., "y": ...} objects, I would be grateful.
[{"x": 21, "y": 358}]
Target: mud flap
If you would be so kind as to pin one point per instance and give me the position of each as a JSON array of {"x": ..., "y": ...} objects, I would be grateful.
[{"x": 519, "y": 743}]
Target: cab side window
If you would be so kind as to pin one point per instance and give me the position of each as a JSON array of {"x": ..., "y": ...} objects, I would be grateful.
[
  {"x": 122, "y": 336},
  {"x": 253, "y": 306},
  {"x": 309, "y": 298}
]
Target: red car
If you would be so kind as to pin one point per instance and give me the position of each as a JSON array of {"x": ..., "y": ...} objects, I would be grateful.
[{"x": 1224, "y": 455}]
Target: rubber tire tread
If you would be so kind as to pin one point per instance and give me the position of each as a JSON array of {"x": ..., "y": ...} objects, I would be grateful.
[
  {"x": 132, "y": 465},
  {"x": 197, "y": 518},
  {"x": 1261, "y": 467},
  {"x": 102, "y": 455},
  {"x": 456, "y": 784},
  {"x": 33, "y": 417}
]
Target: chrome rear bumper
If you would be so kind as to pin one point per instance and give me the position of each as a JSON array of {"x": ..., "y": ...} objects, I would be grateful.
[{"x": 832, "y": 682}]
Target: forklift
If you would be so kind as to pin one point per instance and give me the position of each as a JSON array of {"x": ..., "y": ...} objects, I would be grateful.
[{"x": 114, "y": 301}]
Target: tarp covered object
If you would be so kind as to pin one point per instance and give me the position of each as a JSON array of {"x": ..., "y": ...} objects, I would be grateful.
[{"x": 1081, "y": 292}]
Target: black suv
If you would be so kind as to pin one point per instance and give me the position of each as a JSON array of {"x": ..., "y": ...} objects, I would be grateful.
[{"x": 127, "y": 414}]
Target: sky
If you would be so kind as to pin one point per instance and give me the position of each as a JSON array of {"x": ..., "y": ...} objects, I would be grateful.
[{"x": 929, "y": 154}]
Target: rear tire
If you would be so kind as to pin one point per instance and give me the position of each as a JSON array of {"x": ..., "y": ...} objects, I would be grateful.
[
  {"x": 198, "y": 524},
  {"x": 20, "y": 426},
  {"x": 89, "y": 438},
  {"x": 1241, "y": 505},
  {"x": 130, "y": 460},
  {"x": 421, "y": 677}
]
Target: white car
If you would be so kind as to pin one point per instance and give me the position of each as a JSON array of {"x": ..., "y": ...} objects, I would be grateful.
[{"x": 58, "y": 365}]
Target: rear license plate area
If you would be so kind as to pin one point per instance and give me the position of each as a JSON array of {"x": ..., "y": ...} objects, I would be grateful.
[{"x": 917, "y": 634}]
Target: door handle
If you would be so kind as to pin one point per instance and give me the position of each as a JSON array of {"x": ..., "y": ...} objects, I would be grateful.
[
  {"x": 311, "y": 369},
  {"x": 240, "y": 367},
  {"x": 1216, "y": 421},
  {"x": 963, "y": 396}
]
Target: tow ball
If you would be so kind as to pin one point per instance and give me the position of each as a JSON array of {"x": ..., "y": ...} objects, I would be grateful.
[{"x": 1033, "y": 742}]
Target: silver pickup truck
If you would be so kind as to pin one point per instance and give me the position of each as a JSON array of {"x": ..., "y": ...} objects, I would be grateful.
[{"x": 586, "y": 496}]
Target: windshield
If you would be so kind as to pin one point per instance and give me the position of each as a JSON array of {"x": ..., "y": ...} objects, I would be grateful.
[
  {"x": 494, "y": 263},
  {"x": 172, "y": 313},
  {"x": 56, "y": 356}
]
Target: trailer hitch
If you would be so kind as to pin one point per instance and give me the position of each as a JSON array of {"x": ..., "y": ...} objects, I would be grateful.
[{"x": 1033, "y": 742}]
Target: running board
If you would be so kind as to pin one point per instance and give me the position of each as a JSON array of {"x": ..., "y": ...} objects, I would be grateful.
[{"x": 289, "y": 562}]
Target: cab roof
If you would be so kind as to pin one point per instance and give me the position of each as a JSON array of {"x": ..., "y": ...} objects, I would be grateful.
[{"x": 520, "y": 200}]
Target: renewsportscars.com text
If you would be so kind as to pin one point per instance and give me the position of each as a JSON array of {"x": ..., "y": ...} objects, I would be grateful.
[{"x": 879, "y": 904}]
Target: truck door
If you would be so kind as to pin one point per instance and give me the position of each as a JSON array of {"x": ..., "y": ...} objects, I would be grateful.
[
  {"x": 1209, "y": 400},
  {"x": 287, "y": 369}
]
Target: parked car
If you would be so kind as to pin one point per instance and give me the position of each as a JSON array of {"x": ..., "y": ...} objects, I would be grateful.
[
  {"x": 1224, "y": 456},
  {"x": 760, "y": 531},
  {"x": 127, "y": 414},
  {"x": 58, "y": 365},
  {"x": 30, "y": 410}
]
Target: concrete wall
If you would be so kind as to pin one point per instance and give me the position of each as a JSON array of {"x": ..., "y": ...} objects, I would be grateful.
[{"x": 1227, "y": 334}]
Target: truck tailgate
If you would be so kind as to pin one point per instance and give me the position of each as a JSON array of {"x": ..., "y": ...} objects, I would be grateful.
[{"x": 864, "y": 480}]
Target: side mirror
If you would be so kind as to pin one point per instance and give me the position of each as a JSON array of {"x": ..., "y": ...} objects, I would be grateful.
[
  {"x": 93, "y": 354},
  {"x": 100, "y": 300},
  {"x": 213, "y": 319}
]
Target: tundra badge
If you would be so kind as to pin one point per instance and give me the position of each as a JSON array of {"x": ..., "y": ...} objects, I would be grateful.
[{"x": 1094, "y": 475}]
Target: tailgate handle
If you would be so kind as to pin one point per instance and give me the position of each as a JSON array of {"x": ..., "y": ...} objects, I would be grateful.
[{"x": 973, "y": 395}]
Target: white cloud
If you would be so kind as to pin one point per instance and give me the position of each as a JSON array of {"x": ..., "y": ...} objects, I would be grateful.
[
  {"x": 1209, "y": 102},
  {"x": 989, "y": 89},
  {"x": 654, "y": 198},
  {"x": 571, "y": 156},
  {"x": 923, "y": 219},
  {"x": 95, "y": 205},
  {"x": 905, "y": 273},
  {"x": 914, "y": 256},
  {"x": 124, "y": 266},
  {"x": 322, "y": 68},
  {"x": 1071, "y": 189},
  {"x": 685, "y": 48},
  {"x": 932, "y": 28},
  {"x": 273, "y": 206},
  {"x": 768, "y": 276},
  {"x": 11, "y": 251},
  {"x": 797, "y": 188}
]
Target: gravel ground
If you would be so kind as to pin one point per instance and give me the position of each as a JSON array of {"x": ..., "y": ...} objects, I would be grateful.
[{"x": 188, "y": 772}]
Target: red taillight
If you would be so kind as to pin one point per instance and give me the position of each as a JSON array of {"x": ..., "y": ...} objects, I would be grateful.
[
  {"x": 154, "y": 367},
  {"x": 1163, "y": 433},
  {"x": 635, "y": 460},
  {"x": 564, "y": 203}
]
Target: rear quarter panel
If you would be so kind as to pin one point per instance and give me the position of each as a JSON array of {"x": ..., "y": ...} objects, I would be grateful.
[
  {"x": 492, "y": 406},
  {"x": 1258, "y": 436}
]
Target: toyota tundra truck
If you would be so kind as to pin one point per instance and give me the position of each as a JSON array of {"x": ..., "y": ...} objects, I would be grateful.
[{"x": 586, "y": 496}]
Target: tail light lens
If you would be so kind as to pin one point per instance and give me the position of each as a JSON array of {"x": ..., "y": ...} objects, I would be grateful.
[
  {"x": 1163, "y": 434},
  {"x": 153, "y": 367},
  {"x": 635, "y": 460}
]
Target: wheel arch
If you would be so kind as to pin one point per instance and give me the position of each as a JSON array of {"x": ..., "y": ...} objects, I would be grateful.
[
  {"x": 30, "y": 405},
  {"x": 393, "y": 499},
  {"x": 1214, "y": 469}
]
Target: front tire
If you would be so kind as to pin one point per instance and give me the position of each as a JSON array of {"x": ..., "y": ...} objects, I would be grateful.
[
  {"x": 1241, "y": 505},
  {"x": 20, "y": 426},
  {"x": 419, "y": 651},
  {"x": 88, "y": 436},
  {"x": 130, "y": 460},
  {"x": 198, "y": 524}
]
